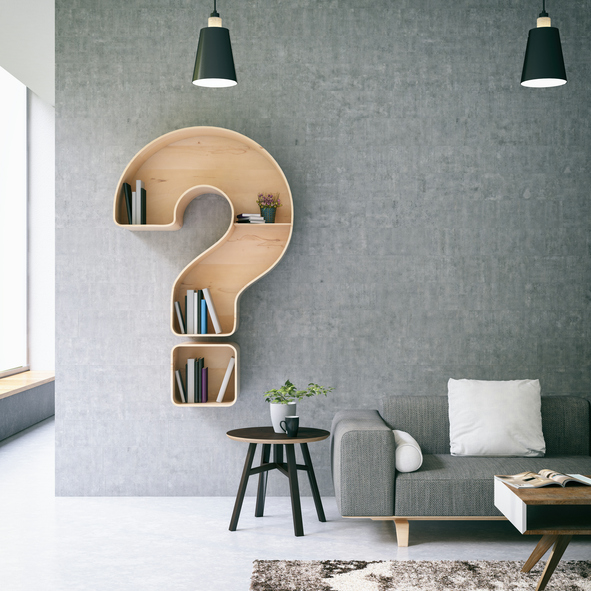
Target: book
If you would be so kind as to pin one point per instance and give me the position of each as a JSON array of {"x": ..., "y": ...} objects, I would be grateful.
[
  {"x": 181, "y": 387},
  {"x": 226, "y": 380},
  {"x": 250, "y": 215},
  {"x": 198, "y": 378},
  {"x": 543, "y": 478},
  {"x": 134, "y": 208},
  {"x": 198, "y": 311},
  {"x": 196, "y": 318},
  {"x": 212, "y": 313},
  {"x": 127, "y": 195},
  {"x": 191, "y": 380},
  {"x": 204, "y": 384},
  {"x": 179, "y": 317},
  {"x": 203, "y": 327},
  {"x": 250, "y": 221},
  {"x": 140, "y": 192},
  {"x": 189, "y": 310}
]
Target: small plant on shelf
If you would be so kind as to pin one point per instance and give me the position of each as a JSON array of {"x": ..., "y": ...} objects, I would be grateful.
[{"x": 268, "y": 204}]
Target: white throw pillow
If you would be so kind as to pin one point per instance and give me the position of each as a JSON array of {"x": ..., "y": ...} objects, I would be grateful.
[
  {"x": 489, "y": 418},
  {"x": 408, "y": 452}
]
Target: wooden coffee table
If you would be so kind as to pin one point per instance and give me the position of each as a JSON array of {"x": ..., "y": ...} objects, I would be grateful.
[
  {"x": 267, "y": 437},
  {"x": 555, "y": 513}
]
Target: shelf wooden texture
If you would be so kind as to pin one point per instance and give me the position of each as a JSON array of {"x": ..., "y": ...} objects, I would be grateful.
[
  {"x": 183, "y": 165},
  {"x": 216, "y": 357}
]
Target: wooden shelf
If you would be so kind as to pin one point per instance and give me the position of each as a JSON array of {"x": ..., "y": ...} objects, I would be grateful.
[
  {"x": 183, "y": 165},
  {"x": 217, "y": 357}
]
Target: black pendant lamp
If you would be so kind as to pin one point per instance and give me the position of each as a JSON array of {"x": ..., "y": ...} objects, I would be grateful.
[
  {"x": 214, "y": 64},
  {"x": 543, "y": 65}
]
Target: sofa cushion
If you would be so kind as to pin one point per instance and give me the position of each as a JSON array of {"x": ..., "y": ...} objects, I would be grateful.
[
  {"x": 463, "y": 486},
  {"x": 495, "y": 418}
]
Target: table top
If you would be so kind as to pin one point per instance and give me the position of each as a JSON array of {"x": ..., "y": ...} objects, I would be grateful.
[
  {"x": 267, "y": 435},
  {"x": 553, "y": 495}
]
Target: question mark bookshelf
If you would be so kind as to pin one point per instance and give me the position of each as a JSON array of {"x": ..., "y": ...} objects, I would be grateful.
[{"x": 181, "y": 166}]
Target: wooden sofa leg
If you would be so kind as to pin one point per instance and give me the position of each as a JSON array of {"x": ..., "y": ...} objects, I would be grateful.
[{"x": 401, "y": 532}]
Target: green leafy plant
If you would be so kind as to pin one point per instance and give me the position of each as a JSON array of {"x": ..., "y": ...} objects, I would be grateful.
[{"x": 289, "y": 393}]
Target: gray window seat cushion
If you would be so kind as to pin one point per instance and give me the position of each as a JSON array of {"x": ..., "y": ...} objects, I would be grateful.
[{"x": 448, "y": 485}]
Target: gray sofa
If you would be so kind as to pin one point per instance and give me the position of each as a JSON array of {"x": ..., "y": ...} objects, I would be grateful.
[{"x": 446, "y": 487}]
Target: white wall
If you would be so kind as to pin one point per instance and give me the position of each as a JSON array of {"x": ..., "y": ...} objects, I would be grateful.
[
  {"x": 27, "y": 44},
  {"x": 41, "y": 122}
]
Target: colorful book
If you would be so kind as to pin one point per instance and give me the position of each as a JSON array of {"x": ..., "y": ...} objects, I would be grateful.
[
  {"x": 204, "y": 385},
  {"x": 127, "y": 197},
  {"x": 212, "y": 313},
  {"x": 191, "y": 380},
  {"x": 203, "y": 328},
  {"x": 226, "y": 380},
  {"x": 179, "y": 317},
  {"x": 198, "y": 310},
  {"x": 181, "y": 387}
]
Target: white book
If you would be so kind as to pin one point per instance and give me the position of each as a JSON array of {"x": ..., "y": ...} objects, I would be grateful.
[
  {"x": 250, "y": 215},
  {"x": 191, "y": 380},
  {"x": 189, "y": 307},
  {"x": 179, "y": 382},
  {"x": 139, "y": 185},
  {"x": 212, "y": 313},
  {"x": 179, "y": 317},
  {"x": 226, "y": 380},
  {"x": 134, "y": 208}
]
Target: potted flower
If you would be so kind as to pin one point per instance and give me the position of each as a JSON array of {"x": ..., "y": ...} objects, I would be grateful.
[
  {"x": 268, "y": 203},
  {"x": 283, "y": 401}
]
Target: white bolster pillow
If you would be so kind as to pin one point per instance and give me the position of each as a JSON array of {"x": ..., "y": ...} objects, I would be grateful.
[{"x": 408, "y": 452}]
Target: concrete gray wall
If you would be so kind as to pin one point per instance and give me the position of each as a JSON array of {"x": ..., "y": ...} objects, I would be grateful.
[
  {"x": 21, "y": 411},
  {"x": 441, "y": 219}
]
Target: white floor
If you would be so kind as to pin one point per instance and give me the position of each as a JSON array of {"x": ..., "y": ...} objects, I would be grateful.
[{"x": 142, "y": 543}]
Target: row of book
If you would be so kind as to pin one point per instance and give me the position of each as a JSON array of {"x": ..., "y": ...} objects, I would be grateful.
[
  {"x": 195, "y": 388},
  {"x": 135, "y": 202},
  {"x": 250, "y": 218},
  {"x": 198, "y": 304}
]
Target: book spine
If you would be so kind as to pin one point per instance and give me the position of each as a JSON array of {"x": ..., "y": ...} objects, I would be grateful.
[
  {"x": 204, "y": 328},
  {"x": 143, "y": 206},
  {"x": 226, "y": 380},
  {"x": 134, "y": 208},
  {"x": 179, "y": 317},
  {"x": 189, "y": 307},
  {"x": 179, "y": 383},
  {"x": 204, "y": 385},
  {"x": 199, "y": 377},
  {"x": 212, "y": 313},
  {"x": 127, "y": 195},
  {"x": 196, "y": 312},
  {"x": 191, "y": 380}
]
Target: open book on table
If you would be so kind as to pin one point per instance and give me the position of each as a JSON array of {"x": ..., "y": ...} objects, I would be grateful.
[{"x": 543, "y": 478}]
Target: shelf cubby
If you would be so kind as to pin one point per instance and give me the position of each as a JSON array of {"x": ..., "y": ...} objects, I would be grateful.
[{"x": 216, "y": 358}]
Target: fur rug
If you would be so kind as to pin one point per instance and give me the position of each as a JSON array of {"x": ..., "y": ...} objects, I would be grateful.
[{"x": 411, "y": 575}]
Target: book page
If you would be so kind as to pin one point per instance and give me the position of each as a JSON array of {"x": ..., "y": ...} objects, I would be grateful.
[{"x": 526, "y": 480}]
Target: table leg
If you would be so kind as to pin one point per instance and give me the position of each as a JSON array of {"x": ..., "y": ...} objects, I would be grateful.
[
  {"x": 242, "y": 488},
  {"x": 561, "y": 543},
  {"x": 294, "y": 491},
  {"x": 278, "y": 453},
  {"x": 262, "y": 489},
  {"x": 313, "y": 483},
  {"x": 545, "y": 542}
]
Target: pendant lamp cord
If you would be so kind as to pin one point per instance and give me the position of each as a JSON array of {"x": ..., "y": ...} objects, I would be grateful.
[
  {"x": 215, "y": 12},
  {"x": 543, "y": 13}
]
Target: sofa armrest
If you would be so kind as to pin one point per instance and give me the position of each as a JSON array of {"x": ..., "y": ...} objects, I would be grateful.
[{"x": 363, "y": 453}]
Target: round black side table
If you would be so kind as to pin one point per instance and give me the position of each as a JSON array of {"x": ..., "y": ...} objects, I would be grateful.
[{"x": 267, "y": 437}]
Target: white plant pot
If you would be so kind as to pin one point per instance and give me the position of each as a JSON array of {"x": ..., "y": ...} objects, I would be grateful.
[{"x": 279, "y": 412}]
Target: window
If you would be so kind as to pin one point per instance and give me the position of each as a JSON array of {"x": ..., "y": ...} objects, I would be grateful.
[{"x": 13, "y": 224}]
